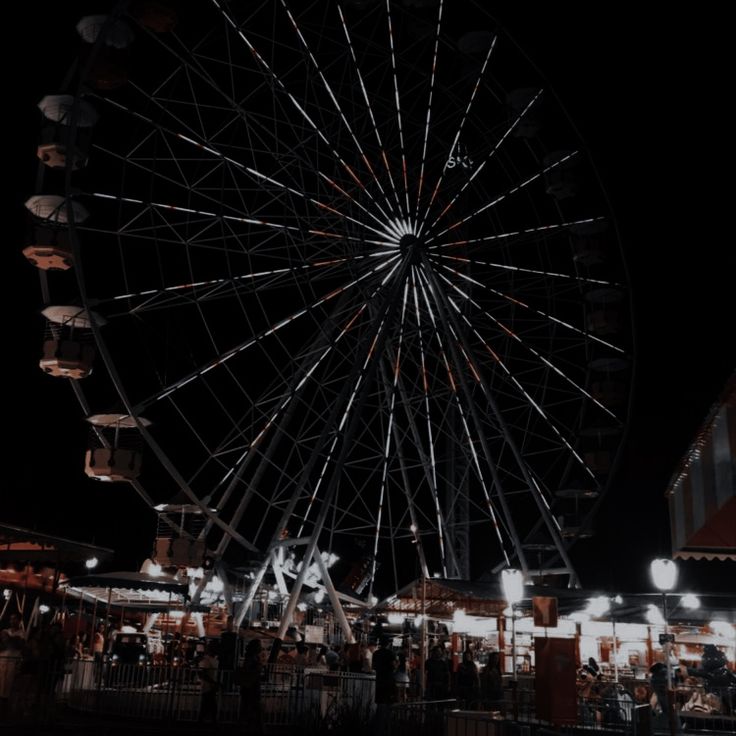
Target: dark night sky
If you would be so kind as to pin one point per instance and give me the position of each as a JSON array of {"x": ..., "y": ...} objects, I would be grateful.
[{"x": 647, "y": 96}]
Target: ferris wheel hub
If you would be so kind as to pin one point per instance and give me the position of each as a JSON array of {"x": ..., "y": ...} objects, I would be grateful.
[{"x": 412, "y": 246}]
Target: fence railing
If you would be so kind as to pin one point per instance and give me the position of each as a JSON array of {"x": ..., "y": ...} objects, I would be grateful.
[
  {"x": 289, "y": 695},
  {"x": 297, "y": 698}
]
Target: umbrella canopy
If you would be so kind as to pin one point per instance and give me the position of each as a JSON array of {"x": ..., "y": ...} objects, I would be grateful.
[{"x": 125, "y": 588}]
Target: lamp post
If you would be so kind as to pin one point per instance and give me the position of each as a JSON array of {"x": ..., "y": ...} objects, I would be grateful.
[
  {"x": 615, "y": 601},
  {"x": 513, "y": 589},
  {"x": 664, "y": 577}
]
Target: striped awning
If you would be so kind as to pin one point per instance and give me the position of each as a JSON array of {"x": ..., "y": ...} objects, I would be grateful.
[{"x": 702, "y": 493}]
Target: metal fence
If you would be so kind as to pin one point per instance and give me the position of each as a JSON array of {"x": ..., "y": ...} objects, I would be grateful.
[
  {"x": 300, "y": 700},
  {"x": 291, "y": 696}
]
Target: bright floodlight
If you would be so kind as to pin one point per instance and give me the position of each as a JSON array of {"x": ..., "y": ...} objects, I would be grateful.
[
  {"x": 598, "y": 606},
  {"x": 722, "y": 628},
  {"x": 459, "y": 621},
  {"x": 149, "y": 567},
  {"x": 91, "y": 563},
  {"x": 654, "y": 615},
  {"x": 664, "y": 574},
  {"x": 513, "y": 585},
  {"x": 43, "y": 608},
  {"x": 690, "y": 600}
]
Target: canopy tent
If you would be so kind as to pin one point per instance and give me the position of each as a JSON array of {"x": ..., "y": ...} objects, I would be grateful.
[{"x": 126, "y": 588}]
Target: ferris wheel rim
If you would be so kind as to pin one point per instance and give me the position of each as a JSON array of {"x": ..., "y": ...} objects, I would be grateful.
[{"x": 135, "y": 408}]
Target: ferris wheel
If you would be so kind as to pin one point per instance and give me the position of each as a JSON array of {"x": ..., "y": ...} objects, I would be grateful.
[{"x": 352, "y": 276}]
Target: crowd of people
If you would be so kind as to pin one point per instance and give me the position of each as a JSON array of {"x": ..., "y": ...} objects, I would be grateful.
[
  {"x": 33, "y": 661},
  {"x": 707, "y": 689}
]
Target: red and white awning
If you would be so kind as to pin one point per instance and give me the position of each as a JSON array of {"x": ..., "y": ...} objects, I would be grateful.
[{"x": 702, "y": 493}]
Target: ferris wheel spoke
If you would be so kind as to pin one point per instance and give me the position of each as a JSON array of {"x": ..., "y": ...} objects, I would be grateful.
[
  {"x": 295, "y": 103},
  {"x": 458, "y": 132},
  {"x": 397, "y": 100},
  {"x": 540, "y": 230},
  {"x": 526, "y": 473},
  {"x": 420, "y": 183},
  {"x": 337, "y": 106},
  {"x": 391, "y": 391},
  {"x": 497, "y": 359},
  {"x": 210, "y": 453},
  {"x": 238, "y": 467},
  {"x": 540, "y": 312},
  {"x": 162, "y": 207},
  {"x": 536, "y": 272},
  {"x": 508, "y": 193},
  {"x": 511, "y": 334},
  {"x": 210, "y": 289},
  {"x": 189, "y": 187},
  {"x": 483, "y": 163},
  {"x": 238, "y": 349},
  {"x": 432, "y": 476},
  {"x": 369, "y": 107},
  {"x": 215, "y": 242},
  {"x": 237, "y": 471},
  {"x": 346, "y": 429},
  {"x": 239, "y": 114},
  {"x": 293, "y": 391},
  {"x": 154, "y": 100},
  {"x": 471, "y": 443},
  {"x": 251, "y": 172},
  {"x": 339, "y": 429}
]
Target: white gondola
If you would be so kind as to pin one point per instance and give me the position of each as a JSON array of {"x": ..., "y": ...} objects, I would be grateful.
[
  {"x": 59, "y": 109},
  {"x": 118, "y": 35},
  {"x": 107, "y": 62},
  {"x": 67, "y": 357},
  {"x": 171, "y": 547},
  {"x": 72, "y": 315},
  {"x": 117, "y": 459},
  {"x": 57, "y": 148},
  {"x": 49, "y": 249},
  {"x": 56, "y": 209},
  {"x": 117, "y": 421}
]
